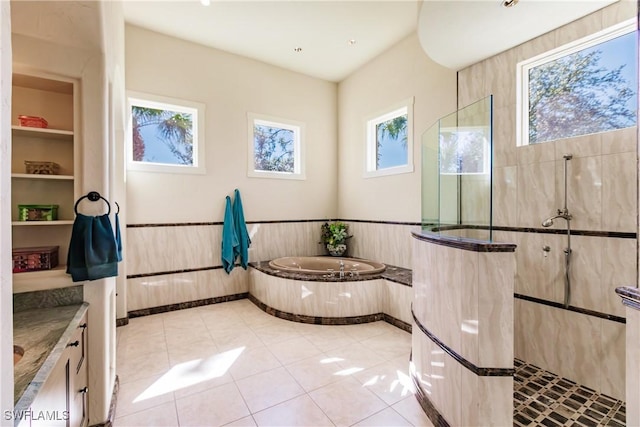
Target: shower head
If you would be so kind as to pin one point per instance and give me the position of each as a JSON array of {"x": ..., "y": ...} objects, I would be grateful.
[{"x": 548, "y": 222}]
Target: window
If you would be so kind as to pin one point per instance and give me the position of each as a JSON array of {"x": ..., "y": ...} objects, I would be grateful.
[
  {"x": 390, "y": 141},
  {"x": 275, "y": 147},
  {"x": 165, "y": 135},
  {"x": 585, "y": 87}
]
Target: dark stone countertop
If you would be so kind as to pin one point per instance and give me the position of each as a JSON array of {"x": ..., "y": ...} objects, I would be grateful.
[
  {"x": 395, "y": 274},
  {"x": 44, "y": 334}
]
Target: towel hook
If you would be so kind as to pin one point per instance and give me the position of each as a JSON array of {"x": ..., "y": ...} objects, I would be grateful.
[
  {"x": 93, "y": 196},
  {"x": 118, "y": 206}
]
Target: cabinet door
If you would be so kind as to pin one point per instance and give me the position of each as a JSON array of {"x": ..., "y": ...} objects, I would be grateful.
[
  {"x": 78, "y": 388},
  {"x": 51, "y": 406}
]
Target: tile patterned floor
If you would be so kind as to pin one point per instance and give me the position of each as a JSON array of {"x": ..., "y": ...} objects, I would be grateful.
[
  {"x": 544, "y": 399},
  {"x": 232, "y": 364}
]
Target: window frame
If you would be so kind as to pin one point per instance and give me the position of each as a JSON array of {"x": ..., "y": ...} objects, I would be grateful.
[
  {"x": 371, "y": 123},
  {"x": 196, "y": 109},
  {"x": 298, "y": 129},
  {"x": 523, "y": 67}
]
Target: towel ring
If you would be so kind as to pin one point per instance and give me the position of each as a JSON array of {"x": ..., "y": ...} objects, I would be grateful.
[
  {"x": 93, "y": 196},
  {"x": 118, "y": 206}
]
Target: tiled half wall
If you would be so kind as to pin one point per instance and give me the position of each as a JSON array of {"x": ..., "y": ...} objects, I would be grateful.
[{"x": 176, "y": 263}]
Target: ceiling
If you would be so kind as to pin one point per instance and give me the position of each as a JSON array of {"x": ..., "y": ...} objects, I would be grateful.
[
  {"x": 454, "y": 33},
  {"x": 270, "y": 31}
]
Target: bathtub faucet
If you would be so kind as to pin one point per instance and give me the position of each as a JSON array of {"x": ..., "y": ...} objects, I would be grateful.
[{"x": 341, "y": 269}]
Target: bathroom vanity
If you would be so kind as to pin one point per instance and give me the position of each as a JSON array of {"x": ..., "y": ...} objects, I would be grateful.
[{"x": 51, "y": 387}]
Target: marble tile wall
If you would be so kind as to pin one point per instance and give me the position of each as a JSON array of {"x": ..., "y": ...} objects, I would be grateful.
[
  {"x": 323, "y": 299},
  {"x": 470, "y": 310},
  {"x": 388, "y": 243},
  {"x": 602, "y": 196},
  {"x": 397, "y": 300},
  {"x": 584, "y": 349},
  {"x": 632, "y": 362}
]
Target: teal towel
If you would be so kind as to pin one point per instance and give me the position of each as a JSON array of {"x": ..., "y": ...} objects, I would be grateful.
[
  {"x": 93, "y": 252},
  {"x": 229, "y": 239},
  {"x": 242, "y": 250},
  {"x": 118, "y": 238}
]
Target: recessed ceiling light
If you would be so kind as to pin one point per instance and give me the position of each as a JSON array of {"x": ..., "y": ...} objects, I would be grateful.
[
  {"x": 297, "y": 49},
  {"x": 509, "y": 3},
  {"x": 352, "y": 42},
  {"x": 205, "y": 2}
]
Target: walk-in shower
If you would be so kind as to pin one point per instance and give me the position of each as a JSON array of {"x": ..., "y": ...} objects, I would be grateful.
[{"x": 564, "y": 214}]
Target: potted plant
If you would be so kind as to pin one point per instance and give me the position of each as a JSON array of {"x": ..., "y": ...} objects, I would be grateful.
[{"x": 334, "y": 236}]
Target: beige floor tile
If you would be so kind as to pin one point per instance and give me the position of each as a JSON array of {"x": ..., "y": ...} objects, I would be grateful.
[
  {"x": 243, "y": 422},
  {"x": 411, "y": 410},
  {"x": 276, "y": 333},
  {"x": 346, "y": 402},
  {"x": 136, "y": 396},
  {"x": 192, "y": 351},
  {"x": 387, "y": 381},
  {"x": 390, "y": 345},
  {"x": 385, "y": 418},
  {"x": 252, "y": 361},
  {"x": 214, "y": 407},
  {"x": 293, "y": 350},
  {"x": 160, "y": 416},
  {"x": 269, "y": 388},
  {"x": 300, "y": 411},
  {"x": 143, "y": 366},
  {"x": 230, "y": 339},
  {"x": 315, "y": 372},
  {"x": 355, "y": 357}
]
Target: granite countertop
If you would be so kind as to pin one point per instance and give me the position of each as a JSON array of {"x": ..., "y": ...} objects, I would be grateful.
[
  {"x": 392, "y": 273},
  {"x": 44, "y": 334}
]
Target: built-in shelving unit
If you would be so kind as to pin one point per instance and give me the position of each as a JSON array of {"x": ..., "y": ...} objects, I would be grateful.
[{"x": 54, "y": 99}]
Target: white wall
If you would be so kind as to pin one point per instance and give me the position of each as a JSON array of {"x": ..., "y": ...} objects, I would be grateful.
[
  {"x": 6, "y": 294},
  {"x": 402, "y": 72},
  {"x": 231, "y": 86}
]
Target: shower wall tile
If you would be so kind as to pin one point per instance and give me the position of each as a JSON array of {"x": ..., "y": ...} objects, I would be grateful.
[
  {"x": 387, "y": 243},
  {"x": 619, "y": 192},
  {"x": 475, "y": 191},
  {"x": 536, "y": 189},
  {"x": 535, "y": 47},
  {"x": 154, "y": 291},
  {"x": 496, "y": 273},
  {"x": 539, "y": 274},
  {"x": 536, "y": 153},
  {"x": 470, "y": 409},
  {"x": 632, "y": 386},
  {"x": 472, "y": 84},
  {"x": 156, "y": 249},
  {"x": 619, "y": 268},
  {"x": 620, "y": 141},
  {"x": 618, "y": 12},
  {"x": 585, "y": 349},
  {"x": 614, "y": 348},
  {"x": 505, "y": 196},
  {"x": 470, "y": 321},
  {"x": 584, "y": 192},
  {"x": 495, "y": 401},
  {"x": 504, "y": 136},
  {"x": 501, "y": 79},
  {"x": 586, "y": 273},
  {"x": 448, "y": 295},
  {"x": 579, "y": 146}
]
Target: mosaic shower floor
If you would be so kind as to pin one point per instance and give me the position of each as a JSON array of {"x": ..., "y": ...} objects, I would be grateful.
[{"x": 541, "y": 398}]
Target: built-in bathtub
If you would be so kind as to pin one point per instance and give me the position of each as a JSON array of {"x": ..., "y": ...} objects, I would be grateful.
[
  {"x": 376, "y": 292},
  {"x": 323, "y": 265}
]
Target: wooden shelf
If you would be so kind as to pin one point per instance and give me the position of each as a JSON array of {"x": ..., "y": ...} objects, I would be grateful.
[
  {"x": 66, "y": 135},
  {"x": 38, "y": 176},
  {"x": 39, "y": 280},
  {"x": 43, "y": 223}
]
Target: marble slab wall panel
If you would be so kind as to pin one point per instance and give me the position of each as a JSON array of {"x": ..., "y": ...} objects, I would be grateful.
[
  {"x": 155, "y": 291},
  {"x": 387, "y": 243},
  {"x": 397, "y": 301},
  {"x": 539, "y": 273},
  {"x": 584, "y": 349},
  {"x": 632, "y": 387},
  {"x": 172, "y": 248},
  {"x": 324, "y": 299},
  {"x": 275, "y": 240}
]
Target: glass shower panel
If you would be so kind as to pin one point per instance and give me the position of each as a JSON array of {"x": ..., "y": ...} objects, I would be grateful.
[{"x": 456, "y": 182}]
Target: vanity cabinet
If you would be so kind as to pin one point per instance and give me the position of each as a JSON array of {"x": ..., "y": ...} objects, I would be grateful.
[
  {"x": 63, "y": 398},
  {"x": 55, "y": 100}
]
